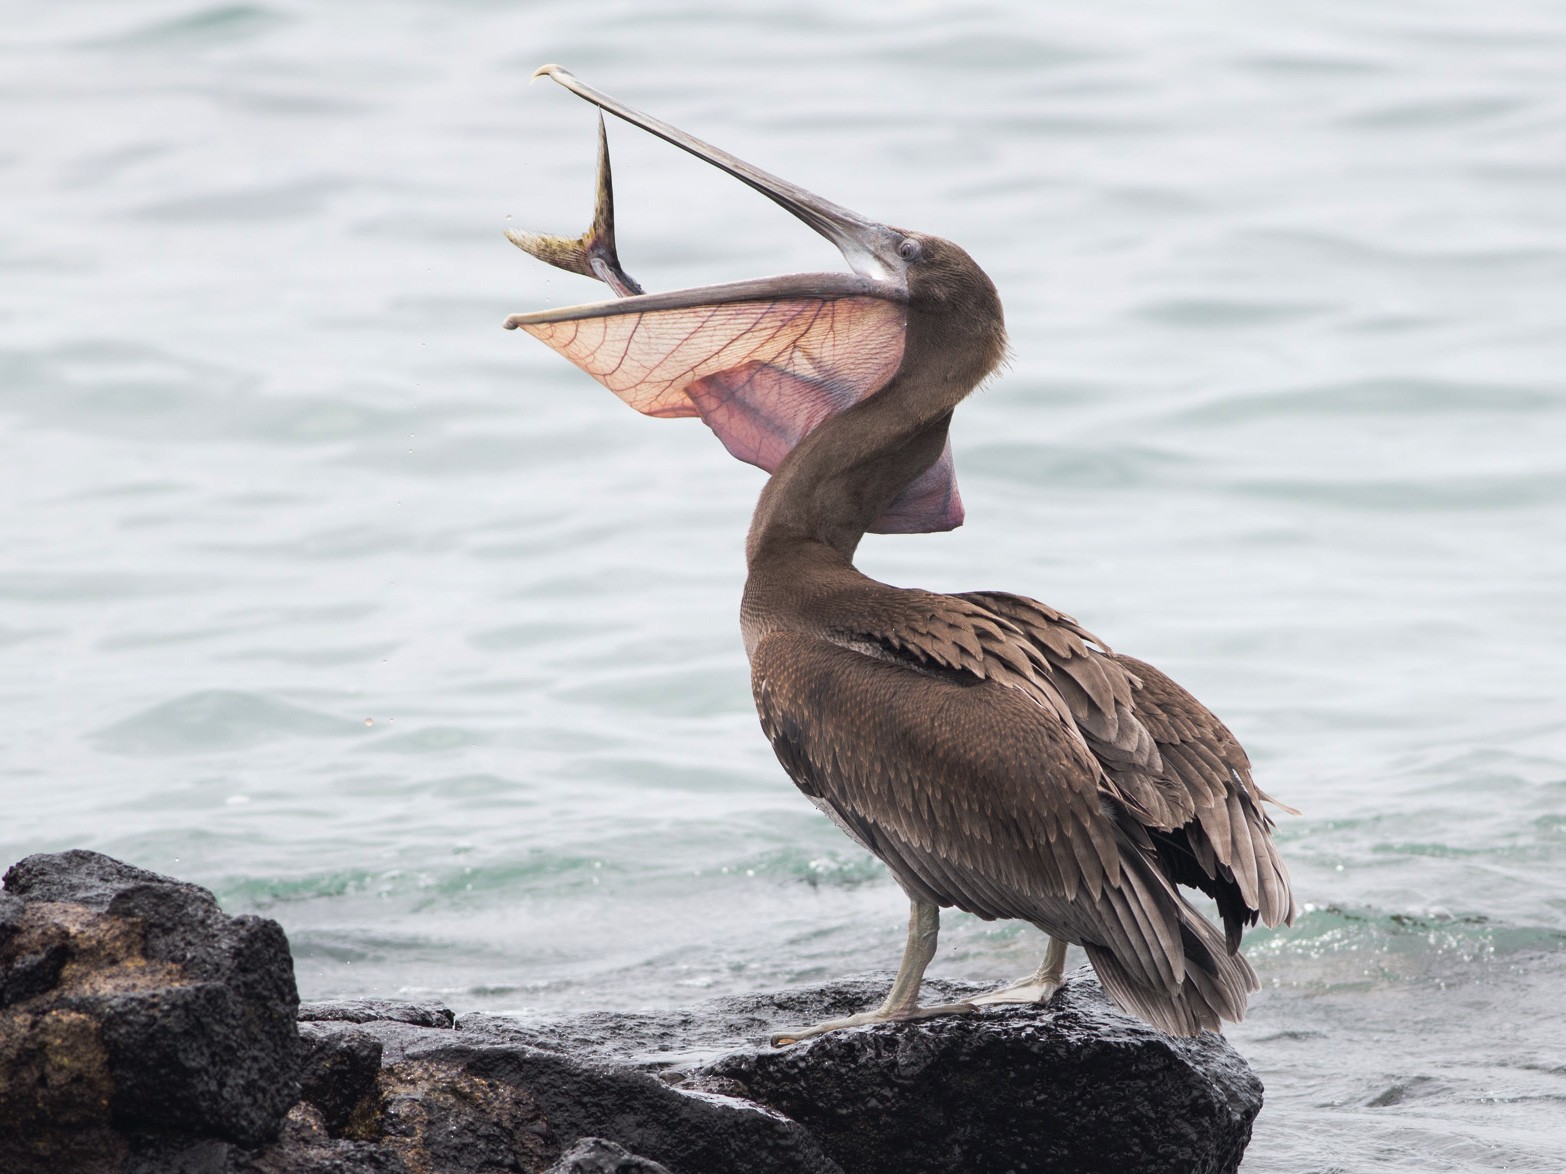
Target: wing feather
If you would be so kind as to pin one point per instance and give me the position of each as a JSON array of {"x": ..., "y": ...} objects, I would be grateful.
[
  {"x": 976, "y": 796},
  {"x": 1168, "y": 756},
  {"x": 1210, "y": 765}
]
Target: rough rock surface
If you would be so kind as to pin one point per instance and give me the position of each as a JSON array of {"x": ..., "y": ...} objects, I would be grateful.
[
  {"x": 594, "y": 1155},
  {"x": 337, "y": 1069},
  {"x": 130, "y": 1004},
  {"x": 1079, "y": 1086},
  {"x": 438, "y": 1083},
  {"x": 144, "y": 1032},
  {"x": 1076, "y": 1085}
]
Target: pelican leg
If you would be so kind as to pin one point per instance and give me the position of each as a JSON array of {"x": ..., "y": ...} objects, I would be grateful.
[
  {"x": 902, "y": 1001},
  {"x": 1037, "y": 989}
]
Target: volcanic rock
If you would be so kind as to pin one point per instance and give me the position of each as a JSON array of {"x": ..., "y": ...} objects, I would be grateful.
[
  {"x": 130, "y": 1003},
  {"x": 142, "y": 1031}
]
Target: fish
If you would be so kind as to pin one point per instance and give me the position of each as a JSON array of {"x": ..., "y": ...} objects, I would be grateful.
[{"x": 594, "y": 253}]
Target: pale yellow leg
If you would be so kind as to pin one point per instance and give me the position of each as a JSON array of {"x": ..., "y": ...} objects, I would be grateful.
[
  {"x": 902, "y": 1001},
  {"x": 1037, "y": 989}
]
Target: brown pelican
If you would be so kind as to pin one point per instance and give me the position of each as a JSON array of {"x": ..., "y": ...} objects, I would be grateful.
[{"x": 994, "y": 753}]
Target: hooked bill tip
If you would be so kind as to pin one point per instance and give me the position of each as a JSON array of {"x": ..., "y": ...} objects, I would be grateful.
[{"x": 546, "y": 71}]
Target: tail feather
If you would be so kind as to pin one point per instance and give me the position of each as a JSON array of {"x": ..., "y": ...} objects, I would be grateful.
[{"x": 1215, "y": 986}]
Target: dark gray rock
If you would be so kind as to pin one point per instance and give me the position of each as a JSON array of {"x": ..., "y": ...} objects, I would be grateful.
[
  {"x": 1077, "y": 1086},
  {"x": 337, "y": 1070},
  {"x": 144, "y": 1032},
  {"x": 80, "y": 877},
  {"x": 441, "y": 1113},
  {"x": 432, "y": 1076},
  {"x": 32, "y": 974},
  {"x": 594, "y": 1155},
  {"x": 129, "y": 1002},
  {"x": 304, "y": 1147},
  {"x": 368, "y": 1010},
  {"x": 10, "y": 916}
]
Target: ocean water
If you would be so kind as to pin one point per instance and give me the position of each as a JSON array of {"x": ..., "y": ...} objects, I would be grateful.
[{"x": 322, "y": 590}]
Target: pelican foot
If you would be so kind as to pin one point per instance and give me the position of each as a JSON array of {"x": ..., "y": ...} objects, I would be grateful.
[
  {"x": 1029, "y": 990},
  {"x": 880, "y": 1015}
]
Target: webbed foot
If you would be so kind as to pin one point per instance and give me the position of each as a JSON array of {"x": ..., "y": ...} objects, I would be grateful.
[
  {"x": 1029, "y": 990},
  {"x": 1039, "y": 987},
  {"x": 880, "y": 1015}
]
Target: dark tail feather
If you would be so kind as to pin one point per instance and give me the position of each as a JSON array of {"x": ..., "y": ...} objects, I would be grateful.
[
  {"x": 1178, "y": 858},
  {"x": 1215, "y": 987}
]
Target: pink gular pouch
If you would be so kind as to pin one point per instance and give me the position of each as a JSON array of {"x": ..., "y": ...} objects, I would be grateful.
[{"x": 762, "y": 362}]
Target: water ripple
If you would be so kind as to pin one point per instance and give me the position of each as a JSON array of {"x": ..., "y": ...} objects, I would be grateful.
[
  {"x": 218, "y": 720},
  {"x": 1284, "y": 414}
]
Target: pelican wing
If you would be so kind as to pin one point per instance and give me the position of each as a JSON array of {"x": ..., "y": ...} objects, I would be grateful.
[
  {"x": 976, "y": 795},
  {"x": 1172, "y": 761},
  {"x": 1230, "y": 836}
]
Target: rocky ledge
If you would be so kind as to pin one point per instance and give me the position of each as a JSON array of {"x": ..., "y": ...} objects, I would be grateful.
[{"x": 143, "y": 1031}]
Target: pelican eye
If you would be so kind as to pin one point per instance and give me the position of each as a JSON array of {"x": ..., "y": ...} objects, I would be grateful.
[{"x": 910, "y": 249}]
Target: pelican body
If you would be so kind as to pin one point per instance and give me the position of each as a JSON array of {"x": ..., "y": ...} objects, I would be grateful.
[{"x": 997, "y": 756}]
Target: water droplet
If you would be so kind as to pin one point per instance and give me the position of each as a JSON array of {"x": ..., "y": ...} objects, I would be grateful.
[{"x": 370, "y": 721}]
